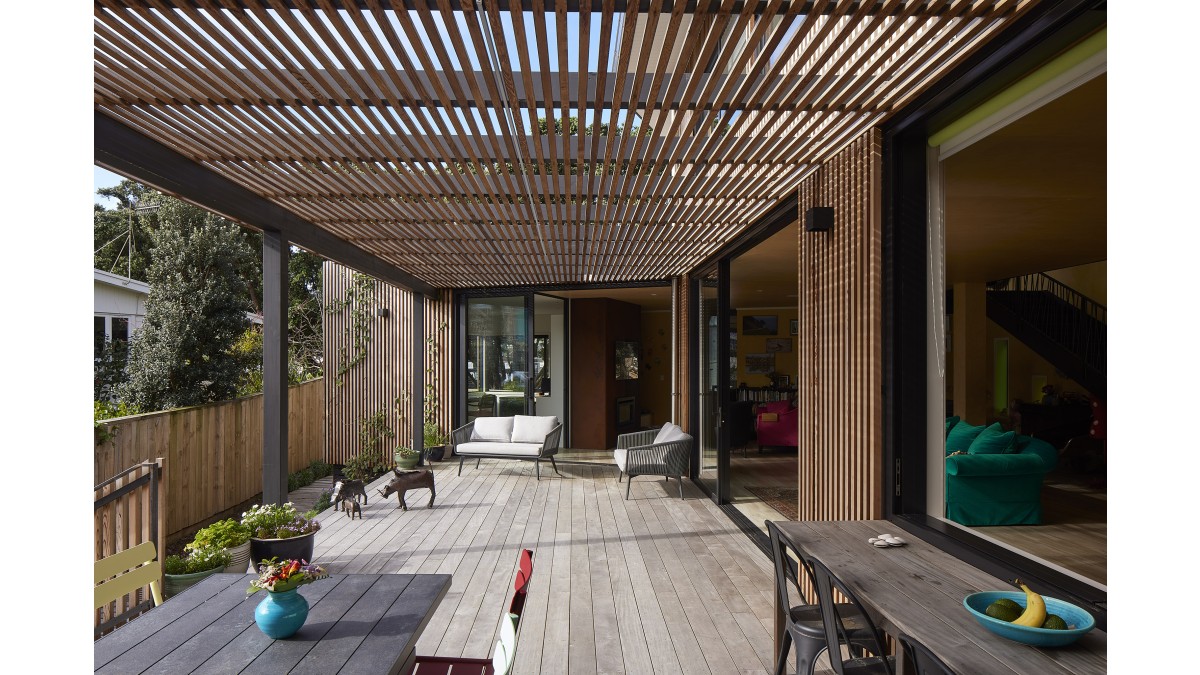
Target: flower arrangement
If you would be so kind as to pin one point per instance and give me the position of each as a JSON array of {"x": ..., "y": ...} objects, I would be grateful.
[
  {"x": 201, "y": 559},
  {"x": 275, "y": 521},
  {"x": 279, "y": 576},
  {"x": 227, "y": 533}
]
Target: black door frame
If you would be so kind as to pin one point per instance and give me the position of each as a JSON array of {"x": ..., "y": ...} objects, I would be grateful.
[{"x": 1031, "y": 40}]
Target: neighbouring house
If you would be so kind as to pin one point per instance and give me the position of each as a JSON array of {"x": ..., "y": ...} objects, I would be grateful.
[{"x": 119, "y": 306}]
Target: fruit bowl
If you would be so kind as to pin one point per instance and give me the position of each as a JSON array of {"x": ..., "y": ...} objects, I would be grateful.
[{"x": 1079, "y": 618}]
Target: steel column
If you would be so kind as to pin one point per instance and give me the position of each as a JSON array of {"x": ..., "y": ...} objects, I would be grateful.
[{"x": 275, "y": 372}]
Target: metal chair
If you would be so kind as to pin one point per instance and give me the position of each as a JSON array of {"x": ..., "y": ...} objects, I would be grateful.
[
  {"x": 848, "y": 624},
  {"x": 926, "y": 662},
  {"x": 124, "y": 573}
]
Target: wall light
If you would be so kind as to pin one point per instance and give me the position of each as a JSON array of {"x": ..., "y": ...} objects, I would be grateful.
[{"x": 818, "y": 219}]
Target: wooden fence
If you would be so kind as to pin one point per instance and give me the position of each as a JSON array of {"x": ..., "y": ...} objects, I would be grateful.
[
  {"x": 129, "y": 511},
  {"x": 211, "y": 454}
]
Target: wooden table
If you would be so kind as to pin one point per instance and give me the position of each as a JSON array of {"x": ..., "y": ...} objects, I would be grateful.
[
  {"x": 918, "y": 589},
  {"x": 357, "y": 623}
]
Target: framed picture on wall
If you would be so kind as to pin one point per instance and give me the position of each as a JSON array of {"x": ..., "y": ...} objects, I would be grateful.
[
  {"x": 794, "y": 327},
  {"x": 760, "y": 364},
  {"x": 785, "y": 381},
  {"x": 760, "y": 324},
  {"x": 779, "y": 344}
]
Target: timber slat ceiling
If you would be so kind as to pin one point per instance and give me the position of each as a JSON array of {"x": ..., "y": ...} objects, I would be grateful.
[{"x": 572, "y": 142}]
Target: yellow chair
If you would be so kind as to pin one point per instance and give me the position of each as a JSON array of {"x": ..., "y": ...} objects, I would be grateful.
[{"x": 128, "y": 571}]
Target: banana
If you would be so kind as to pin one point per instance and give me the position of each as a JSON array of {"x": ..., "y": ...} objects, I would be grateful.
[{"x": 1035, "y": 609}]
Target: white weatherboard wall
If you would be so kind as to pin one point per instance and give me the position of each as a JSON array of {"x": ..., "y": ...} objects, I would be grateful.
[{"x": 118, "y": 296}]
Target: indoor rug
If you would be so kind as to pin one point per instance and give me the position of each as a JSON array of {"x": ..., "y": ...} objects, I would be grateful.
[{"x": 783, "y": 500}]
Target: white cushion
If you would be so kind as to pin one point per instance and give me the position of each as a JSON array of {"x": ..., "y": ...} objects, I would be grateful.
[
  {"x": 532, "y": 429},
  {"x": 668, "y": 433},
  {"x": 497, "y": 448},
  {"x": 619, "y": 457},
  {"x": 492, "y": 429}
]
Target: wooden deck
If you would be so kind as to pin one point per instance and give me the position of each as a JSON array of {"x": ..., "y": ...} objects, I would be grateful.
[{"x": 654, "y": 584}]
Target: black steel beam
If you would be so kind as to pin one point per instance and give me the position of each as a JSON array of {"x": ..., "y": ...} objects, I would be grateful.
[
  {"x": 130, "y": 153},
  {"x": 417, "y": 399},
  {"x": 275, "y": 371}
]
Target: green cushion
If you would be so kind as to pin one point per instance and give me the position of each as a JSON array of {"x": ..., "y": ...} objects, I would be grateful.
[
  {"x": 993, "y": 440},
  {"x": 960, "y": 436},
  {"x": 950, "y": 422}
]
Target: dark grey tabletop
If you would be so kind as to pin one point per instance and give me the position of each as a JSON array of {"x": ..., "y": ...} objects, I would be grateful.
[
  {"x": 918, "y": 589},
  {"x": 357, "y": 623}
]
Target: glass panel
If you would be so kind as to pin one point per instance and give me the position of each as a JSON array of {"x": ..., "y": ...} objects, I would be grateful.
[
  {"x": 709, "y": 392},
  {"x": 497, "y": 358},
  {"x": 120, "y": 333},
  {"x": 549, "y": 379},
  {"x": 98, "y": 334}
]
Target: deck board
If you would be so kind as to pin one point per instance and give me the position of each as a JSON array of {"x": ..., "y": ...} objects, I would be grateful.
[{"x": 654, "y": 584}]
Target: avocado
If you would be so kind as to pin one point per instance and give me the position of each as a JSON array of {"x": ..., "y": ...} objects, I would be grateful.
[{"x": 1000, "y": 609}]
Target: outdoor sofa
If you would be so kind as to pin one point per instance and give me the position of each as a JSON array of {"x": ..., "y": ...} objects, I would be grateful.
[{"x": 528, "y": 437}]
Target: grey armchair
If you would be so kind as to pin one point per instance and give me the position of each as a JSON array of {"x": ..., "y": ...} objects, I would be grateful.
[{"x": 638, "y": 454}]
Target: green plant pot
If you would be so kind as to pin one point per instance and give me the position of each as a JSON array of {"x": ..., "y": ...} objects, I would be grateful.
[
  {"x": 174, "y": 584},
  {"x": 407, "y": 462}
]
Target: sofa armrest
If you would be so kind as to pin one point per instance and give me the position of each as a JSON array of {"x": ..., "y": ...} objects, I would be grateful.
[
  {"x": 461, "y": 435},
  {"x": 550, "y": 442},
  {"x": 994, "y": 465},
  {"x": 636, "y": 439}
]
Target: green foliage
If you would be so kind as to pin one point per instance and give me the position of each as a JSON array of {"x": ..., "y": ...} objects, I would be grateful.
[
  {"x": 360, "y": 301},
  {"x": 226, "y": 533},
  {"x": 374, "y": 432},
  {"x": 366, "y": 467},
  {"x": 320, "y": 469},
  {"x": 305, "y": 342},
  {"x": 104, "y": 410},
  {"x": 323, "y": 501},
  {"x": 513, "y": 385},
  {"x": 431, "y": 429},
  {"x": 199, "y": 560},
  {"x": 195, "y": 313},
  {"x": 109, "y": 369},
  {"x": 111, "y": 230},
  {"x": 248, "y": 349},
  {"x": 405, "y": 451}
]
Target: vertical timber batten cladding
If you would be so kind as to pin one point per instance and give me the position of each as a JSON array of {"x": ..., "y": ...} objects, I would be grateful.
[
  {"x": 382, "y": 378},
  {"x": 212, "y": 454},
  {"x": 840, "y": 341}
]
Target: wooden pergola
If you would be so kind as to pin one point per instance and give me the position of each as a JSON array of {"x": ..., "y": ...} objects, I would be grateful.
[{"x": 463, "y": 143}]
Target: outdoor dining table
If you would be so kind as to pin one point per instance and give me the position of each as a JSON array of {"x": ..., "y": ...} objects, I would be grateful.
[
  {"x": 918, "y": 589},
  {"x": 357, "y": 623}
]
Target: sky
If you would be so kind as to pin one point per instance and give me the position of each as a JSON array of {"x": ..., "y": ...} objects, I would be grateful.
[{"x": 102, "y": 178}]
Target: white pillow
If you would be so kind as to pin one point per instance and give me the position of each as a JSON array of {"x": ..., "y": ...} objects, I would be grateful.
[
  {"x": 492, "y": 429},
  {"x": 668, "y": 433},
  {"x": 532, "y": 429}
]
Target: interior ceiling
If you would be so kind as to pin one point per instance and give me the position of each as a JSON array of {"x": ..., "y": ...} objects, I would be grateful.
[
  {"x": 766, "y": 275},
  {"x": 649, "y": 298},
  {"x": 1031, "y": 197},
  {"x": 414, "y": 134}
]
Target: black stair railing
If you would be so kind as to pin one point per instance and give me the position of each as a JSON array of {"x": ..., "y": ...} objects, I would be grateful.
[{"x": 1039, "y": 309}]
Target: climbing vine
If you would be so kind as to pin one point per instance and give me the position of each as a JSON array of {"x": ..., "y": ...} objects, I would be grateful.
[{"x": 359, "y": 300}]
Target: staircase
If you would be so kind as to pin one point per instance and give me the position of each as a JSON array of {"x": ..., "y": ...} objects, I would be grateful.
[{"x": 1057, "y": 322}]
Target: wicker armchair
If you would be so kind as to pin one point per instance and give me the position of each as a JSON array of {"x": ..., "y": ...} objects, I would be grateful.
[{"x": 638, "y": 455}]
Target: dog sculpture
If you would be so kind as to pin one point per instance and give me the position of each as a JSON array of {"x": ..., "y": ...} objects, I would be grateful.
[
  {"x": 345, "y": 490},
  {"x": 352, "y": 508},
  {"x": 409, "y": 480}
]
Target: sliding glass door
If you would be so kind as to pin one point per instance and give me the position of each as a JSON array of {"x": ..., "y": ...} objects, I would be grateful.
[
  {"x": 497, "y": 357},
  {"x": 712, "y": 385}
]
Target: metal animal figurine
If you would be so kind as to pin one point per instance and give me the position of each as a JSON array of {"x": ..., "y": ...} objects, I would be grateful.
[
  {"x": 345, "y": 490},
  {"x": 409, "y": 480},
  {"x": 352, "y": 508}
]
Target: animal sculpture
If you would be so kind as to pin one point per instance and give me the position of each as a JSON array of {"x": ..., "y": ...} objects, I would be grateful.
[
  {"x": 347, "y": 489},
  {"x": 409, "y": 480}
]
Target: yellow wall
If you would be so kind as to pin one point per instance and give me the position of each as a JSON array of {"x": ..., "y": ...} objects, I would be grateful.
[
  {"x": 654, "y": 381},
  {"x": 1091, "y": 280},
  {"x": 785, "y": 362}
]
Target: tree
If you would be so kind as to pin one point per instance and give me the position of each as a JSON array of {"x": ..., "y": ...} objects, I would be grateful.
[
  {"x": 305, "y": 335},
  {"x": 111, "y": 229},
  {"x": 196, "y": 311}
]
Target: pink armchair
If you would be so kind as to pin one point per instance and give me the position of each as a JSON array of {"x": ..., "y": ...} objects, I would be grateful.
[{"x": 778, "y": 424}]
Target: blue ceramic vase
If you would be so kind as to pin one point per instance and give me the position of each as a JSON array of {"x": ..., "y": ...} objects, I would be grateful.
[{"x": 281, "y": 614}]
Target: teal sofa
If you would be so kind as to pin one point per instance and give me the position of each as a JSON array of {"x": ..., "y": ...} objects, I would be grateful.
[{"x": 1000, "y": 483}]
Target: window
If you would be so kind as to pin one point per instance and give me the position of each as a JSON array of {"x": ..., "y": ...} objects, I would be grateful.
[{"x": 99, "y": 334}]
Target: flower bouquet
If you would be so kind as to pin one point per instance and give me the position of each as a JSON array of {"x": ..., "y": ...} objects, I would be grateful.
[
  {"x": 283, "y": 611},
  {"x": 278, "y": 577}
]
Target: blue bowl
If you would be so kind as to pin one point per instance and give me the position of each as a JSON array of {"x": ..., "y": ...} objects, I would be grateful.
[{"x": 1079, "y": 620}]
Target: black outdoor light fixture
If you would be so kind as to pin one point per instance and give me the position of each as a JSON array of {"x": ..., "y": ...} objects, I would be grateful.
[
  {"x": 382, "y": 312},
  {"x": 818, "y": 219}
]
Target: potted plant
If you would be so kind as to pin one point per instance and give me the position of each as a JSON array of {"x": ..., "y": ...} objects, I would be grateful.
[
  {"x": 180, "y": 572},
  {"x": 229, "y": 535},
  {"x": 406, "y": 458},
  {"x": 279, "y": 531},
  {"x": 435, "y": 441},
  {"x": 283, "y": 611}
]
